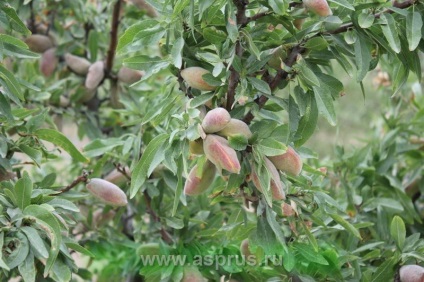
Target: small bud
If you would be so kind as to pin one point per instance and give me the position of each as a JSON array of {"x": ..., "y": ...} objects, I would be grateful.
[
  {"x": 244, "y": 248},
  {"x": 39, "y": 43},
  {"x": 107, "y": 192},
  {"x": 192, "y": 274},
  {"x": 319, "y": 7},
  {"x": 215, "y": 120},
  {"x": 276, "y": 185},
  {"x": 116, "y": 177},
  {"x": 48, "y": 62},
  {"x": 196, "y": 147},
  {"x": 129, "y": 76},
  {"x": 198, "y": 180},
  {"x": 411, "y": 273},
  {"x": 219, "y": 152},
  {"x": 77, "y": 64},
  {"x": 95, "y": 75},
  {"x": 193, "y": 77},
  {"x": 236, "y": 127},
  {"x": 289, "y": 162}
]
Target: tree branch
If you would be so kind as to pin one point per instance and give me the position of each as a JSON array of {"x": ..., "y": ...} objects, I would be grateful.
[
  {"x": 113, "y": 37},
  {"x": 298, "y": 49},
  {"x": 82, "y": 178}
]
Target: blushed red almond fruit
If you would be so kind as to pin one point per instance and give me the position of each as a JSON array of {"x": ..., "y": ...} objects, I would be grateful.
[
  {"x": 215, "y": 120},
  {"x": 77, "y": 64},
  {"x": 411, "y": 273},
  {"x": 193, "y": 77},
  {"x": 236, "y": 127},
  {"x": 199, "y": 180},
  {"x": 196, "y": 147},
  {"x": 277, "y": 188},
  {"x": 48, "y": 62},
  {"x": 129, "y": 76},
  {"x": 116, "y": 177},
  {"x": 219, "y": 152},
  {"x": 192, "y": 274},
  {"x": 39, "y": 43},
  {"x": 319, "y": 7},
  {"x": 107, "y": 192},
  {"x": 244, "y": 248},
  {"x": 289, "y": 162},
  {"x": 143, "y": 5},
  {"x": 95, "y": 75}
]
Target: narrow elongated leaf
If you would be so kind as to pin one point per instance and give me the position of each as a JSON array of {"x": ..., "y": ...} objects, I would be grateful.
[
  {"x": 362, "y": 57},
  {"x": 307, "y": 123},
  {"x": 398, "y": 231},
  {"x": 309, "y": 254},
  {"x": 414, "y": 23},
  {"x": 35, "y": 240},
  {"x": 259, "y": 85},
  {"x": 60, "y": 140},
  {"x": 271, "y": 147},
  {"x": 325, "y": 104},
  {"x": 27, "y": 269},
  {"x": 23, "y": 191},
  {"x": 385, "y": 271},
  {"x": 349, "y": 227},
  {"x": 140, "y": 171},
  {"x": 11, "y": 85},
  {"x": 14, "y": 20},
  {"x": 390, "y": 32}
]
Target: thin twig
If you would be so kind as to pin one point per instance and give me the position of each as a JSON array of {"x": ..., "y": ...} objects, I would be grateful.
[
  {"x": 82, "y": 178},
  {"x": 113, "y": 37}
]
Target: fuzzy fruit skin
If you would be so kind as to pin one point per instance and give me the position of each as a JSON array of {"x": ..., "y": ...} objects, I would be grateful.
[
  {"x": 244, "y": 248},
  {"x": 39, "y": 43},
  {"x": 117, "y": 177},
  {"x": 95, "y": 75},
  {"x": 289, "y": 162},
  {"x": 236, "y": 127},
  {"x": 192, "y": 274},
  {"x": 107, "y": 192},
  {"x": 199, "y": 181},
  {"x": 219, "y": 152},
  {"x": 319, "y": 7},
  {"x": 277, "y": 188},
  {"x": 149, "y": 249},
  {"x": 411, "y": 273},
  {"x": 193, "y": 77},
  {"x": 48, "y": 62},
  {"x": 216, "y": 120},
  {"x": 128, "y": 75},
  {"x": 77, "y": 64},
  {"x": 196, "y": 147}
]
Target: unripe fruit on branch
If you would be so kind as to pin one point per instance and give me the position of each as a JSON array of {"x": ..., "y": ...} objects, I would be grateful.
[
  {"x": 244, "y": 248},
  {"x": 219, "y": 152},
  {"x": 192, "y": 274},
  {"x": 143, "y": 5},
  {"x": 107, "y": 192},
  {"x": 48, "y": 62},
  {"x": 129, "y": 76},
  {"x": 77, "y": 64},
  {"x": 95, "y": 75},
  {"x": 193, "y": 77},
  {"x": 198, "y": 180},
  {"x": 215, "y": 120},
  {"x": 276, "y": 185},
  {"x": 39, "y": 43},
  {"x": 411, "y": 273},
  {"x": 196, "y": 147},
  {"x": 149, "y": 249},
  {"x": 116, "y": 177},
  {"x": 319, "y": 7},
  {"x": 236, "y": 127},
  {"x": 289, "y": 162}
]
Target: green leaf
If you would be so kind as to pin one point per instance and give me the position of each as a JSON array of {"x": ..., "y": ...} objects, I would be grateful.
[
  {"x": 179, "y": 188},
  {"x": 238, "y": 142},
  {"x": 362, "y": 57},
  {"x": 176, "y": 52},
  {"x": 14, "y": 20},
  {"x": 75, "y": 246},
  {"x": 93, "y": 40},
  {"x": 51, "y": 226},
  {"x": 231, "y": 22},
  {"x": 2, "y": 262},
  {"x": 260, "y": 85},
  {"x": 142, "y": 167},
  {"x": 309, "y": 254},
  {"x": 35, "y": 240},
  {"x": 5, "y": 108},
  {"x": 174, "y": 222},
  {"x": 390, "y": 32},
  {"x": 214, "y": 35},
  {"x": 23, "y": 191},
  {"x": 307, "y": 123},
  {"x": 366, "y": 20},
  {"x": 60, "y": 140},
  {"x": 316, "y": 43},
  {"x": 18, "y": 255},
  {"x": 10, "y": 85},
  {"x": 141, "y": 30},
  {"x": 325, "y": 104},
  {"x": 414, "y": 24},
  {"x": 306, "y": 74},
  {"x": 34, "y": 154},
  {"x": 271, "y": 147},
  {"x": 27, "y": 269},
  {"x": 349, "y": 227},
  {"x": 385, "y": 271},
  {"x": 398, "y": 231},
  {"x": 278, "y": 6},
  {"x": 343, "y": 3}
]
